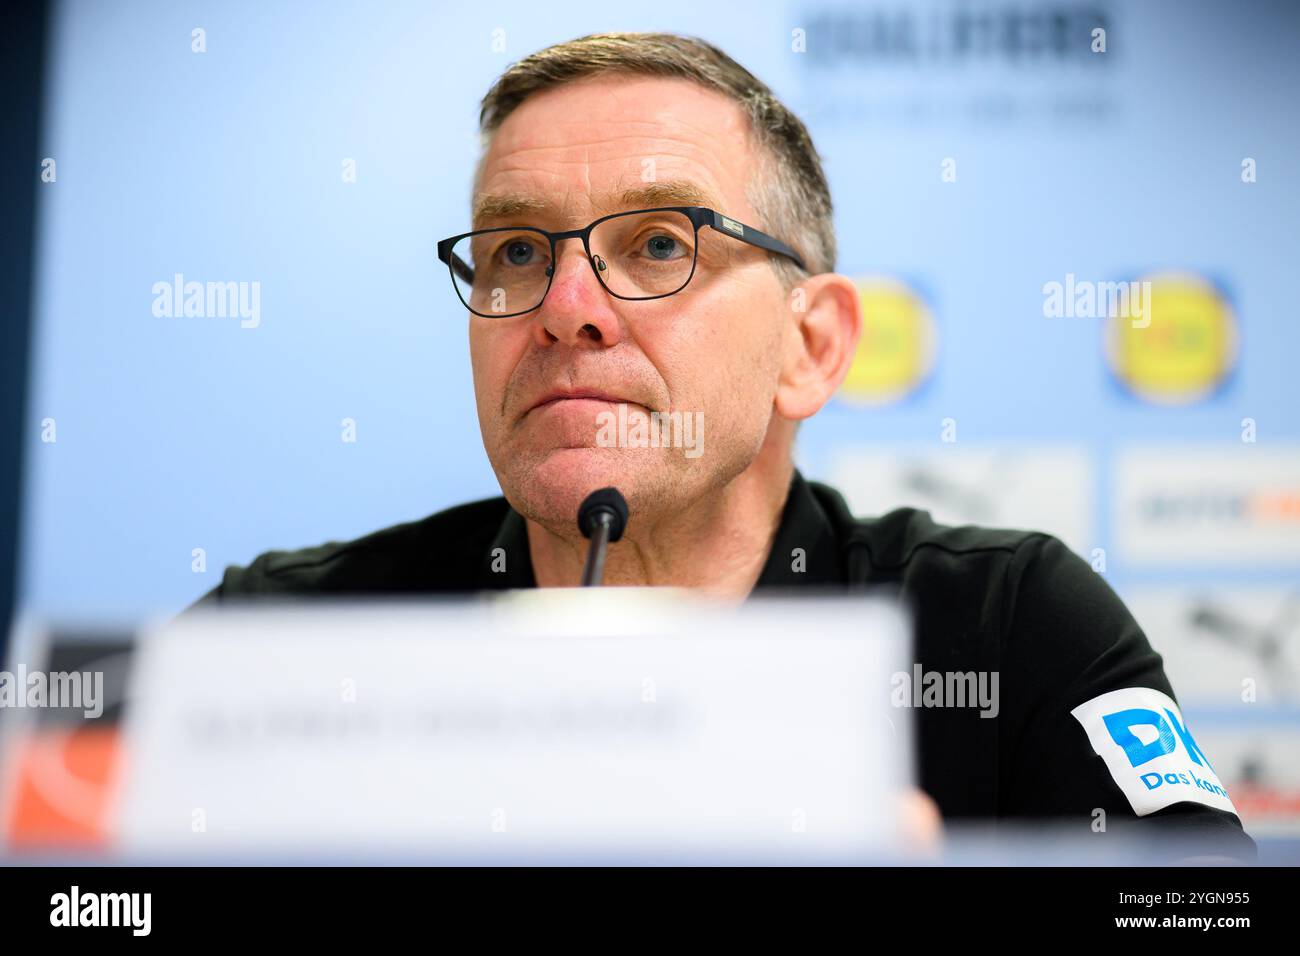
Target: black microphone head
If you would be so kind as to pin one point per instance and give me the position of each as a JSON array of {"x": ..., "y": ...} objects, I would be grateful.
[{"x": 603, "y": 501}]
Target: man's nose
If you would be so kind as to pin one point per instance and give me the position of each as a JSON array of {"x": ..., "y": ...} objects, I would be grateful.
[{"x": 577, "y": 309}]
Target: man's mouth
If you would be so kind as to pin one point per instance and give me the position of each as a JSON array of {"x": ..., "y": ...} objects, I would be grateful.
[{"x": 559, "y": 398}]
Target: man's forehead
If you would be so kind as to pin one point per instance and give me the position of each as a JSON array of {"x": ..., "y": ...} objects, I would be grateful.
[
  {"x": 588, "y": 147},
  {"x": 673, "y": 192}
]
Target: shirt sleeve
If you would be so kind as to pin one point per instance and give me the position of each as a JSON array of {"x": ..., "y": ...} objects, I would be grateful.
[{"x": 1092, "y": 728}]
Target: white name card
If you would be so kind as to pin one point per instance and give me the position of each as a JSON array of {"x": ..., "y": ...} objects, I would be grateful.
[{"x": 588, "y": 725}]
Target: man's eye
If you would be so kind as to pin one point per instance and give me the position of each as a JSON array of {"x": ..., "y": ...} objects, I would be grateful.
[
  {"x": 661, "y": 247},
  {"x": 518, "y": 252}
]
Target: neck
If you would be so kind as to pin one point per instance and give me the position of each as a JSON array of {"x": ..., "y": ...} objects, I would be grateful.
[{"x": 718, "y": 544}]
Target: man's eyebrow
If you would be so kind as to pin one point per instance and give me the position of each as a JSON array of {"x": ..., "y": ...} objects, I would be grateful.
[
  {"x": 508, "y": 207},
  {"x": 673, "y": 192}
]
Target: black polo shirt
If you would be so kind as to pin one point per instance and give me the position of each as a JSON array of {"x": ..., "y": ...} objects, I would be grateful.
[{"x": 1086, "y": 731}]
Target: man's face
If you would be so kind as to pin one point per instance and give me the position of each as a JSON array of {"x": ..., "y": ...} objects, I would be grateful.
[{"x": 713, "y": 348}]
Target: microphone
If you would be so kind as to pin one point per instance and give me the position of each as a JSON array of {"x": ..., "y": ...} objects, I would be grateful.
[{"x": 602, "y": 516}]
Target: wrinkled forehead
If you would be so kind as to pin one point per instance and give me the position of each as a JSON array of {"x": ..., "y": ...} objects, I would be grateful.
[{"x": 606, "y": 144}]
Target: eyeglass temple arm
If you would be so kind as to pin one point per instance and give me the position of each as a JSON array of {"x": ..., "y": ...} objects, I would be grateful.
[
  {"x": 458, "y": 265},
  {"x": 755, "y": 237}
]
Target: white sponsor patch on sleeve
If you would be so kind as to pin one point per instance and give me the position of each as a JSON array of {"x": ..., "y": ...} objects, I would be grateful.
[{"x": 1149, "y": 751}]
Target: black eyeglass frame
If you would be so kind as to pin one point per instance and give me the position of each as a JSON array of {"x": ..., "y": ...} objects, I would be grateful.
[{"x": 699, "y": 216}]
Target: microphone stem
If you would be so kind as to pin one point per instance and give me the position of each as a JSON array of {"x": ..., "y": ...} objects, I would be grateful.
[{"x": 594, "y": 572}]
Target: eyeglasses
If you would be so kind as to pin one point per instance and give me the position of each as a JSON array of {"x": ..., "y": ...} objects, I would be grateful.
[{"x": 644, "y": 254}]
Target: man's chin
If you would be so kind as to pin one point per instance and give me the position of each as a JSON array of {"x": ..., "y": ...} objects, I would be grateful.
[{"x": 551, "y": 491}]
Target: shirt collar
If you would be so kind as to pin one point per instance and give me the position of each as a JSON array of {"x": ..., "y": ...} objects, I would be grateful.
[
  {"x": 509, "y": 563},
  {"x": 805, "y": 550}
]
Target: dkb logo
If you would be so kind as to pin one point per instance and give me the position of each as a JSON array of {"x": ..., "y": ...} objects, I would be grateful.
[
  {"x": 1136, "y": 731},
  {"x": 1121, "y": 726}
]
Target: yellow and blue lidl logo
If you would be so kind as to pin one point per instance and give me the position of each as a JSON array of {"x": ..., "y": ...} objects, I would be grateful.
[
  {"x": 897, "y": 348},
  {"x": 1182, "y": 348}
]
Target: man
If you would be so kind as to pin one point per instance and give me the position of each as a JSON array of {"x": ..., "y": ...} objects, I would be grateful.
[{"x": 652, "y": 242}]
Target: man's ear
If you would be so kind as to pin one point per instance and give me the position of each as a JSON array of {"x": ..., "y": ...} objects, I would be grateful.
[{"x": 825, "y": 322}]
